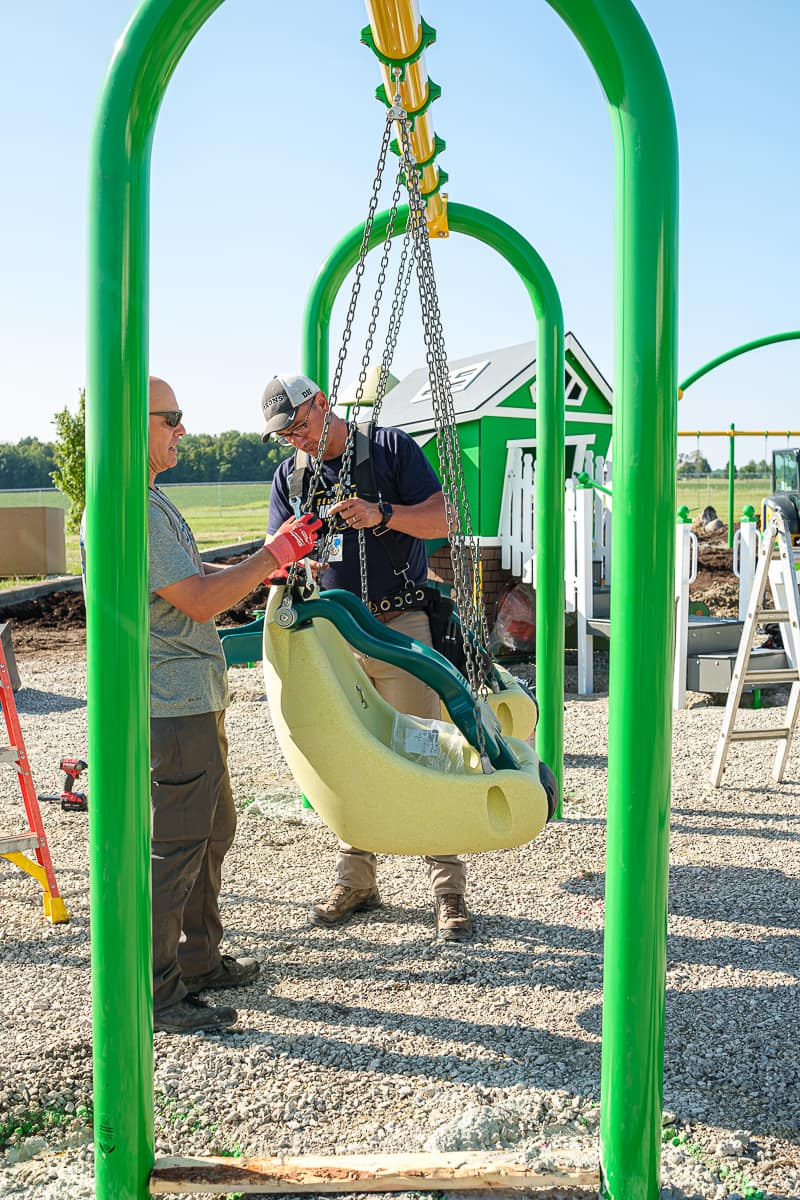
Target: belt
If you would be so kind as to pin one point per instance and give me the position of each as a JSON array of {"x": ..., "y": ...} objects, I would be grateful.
[{"x": 390, "y": 607}]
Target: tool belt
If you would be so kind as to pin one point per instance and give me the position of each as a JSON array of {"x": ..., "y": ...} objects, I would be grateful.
[{"x": 405, "y": 601}]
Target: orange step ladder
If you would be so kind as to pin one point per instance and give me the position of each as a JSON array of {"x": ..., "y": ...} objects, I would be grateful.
[{"x": 13, "y": 847}]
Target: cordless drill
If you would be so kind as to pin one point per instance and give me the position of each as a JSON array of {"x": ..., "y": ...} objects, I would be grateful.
[{"x": 71, "y": 801}]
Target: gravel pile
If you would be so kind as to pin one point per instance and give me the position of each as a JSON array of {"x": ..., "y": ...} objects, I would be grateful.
[{"x": 374, "y": 1037}]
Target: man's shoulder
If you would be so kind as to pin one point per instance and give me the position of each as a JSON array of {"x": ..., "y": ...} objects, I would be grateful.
[{"x": 391, "y": 438}]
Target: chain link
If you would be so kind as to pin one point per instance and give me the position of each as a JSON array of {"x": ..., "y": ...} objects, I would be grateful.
[
  {"x": 465, "y": 553},
  {"x": 416, "y": 254}
]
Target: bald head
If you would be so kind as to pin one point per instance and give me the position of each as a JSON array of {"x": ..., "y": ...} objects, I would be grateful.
[
  {"x": 162, "y": 397},
  {"x": 165, "y": 427}
]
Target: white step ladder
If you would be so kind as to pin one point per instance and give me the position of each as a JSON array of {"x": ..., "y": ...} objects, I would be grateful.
[{"x": 776, "y": 570}]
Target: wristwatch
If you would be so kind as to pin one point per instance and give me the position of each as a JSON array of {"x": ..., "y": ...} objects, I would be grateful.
[{"x": 386, "y": 512}]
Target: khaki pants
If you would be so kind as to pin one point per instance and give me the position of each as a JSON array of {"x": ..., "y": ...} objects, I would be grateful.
[
  {"x": 194, "y": 821},
  {"x": 358, "y": 868}
]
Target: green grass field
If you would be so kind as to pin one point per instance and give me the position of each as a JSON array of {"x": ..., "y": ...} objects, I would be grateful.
[
  {"x": 696, "y": 494},
  {"x": 237, "y": 512}
]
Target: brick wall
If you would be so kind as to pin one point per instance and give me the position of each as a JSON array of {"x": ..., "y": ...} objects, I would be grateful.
[{"x": 494, "y": 577}]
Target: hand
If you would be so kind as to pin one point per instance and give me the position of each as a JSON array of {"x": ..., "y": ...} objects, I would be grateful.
[
  {"x": 294, "y": 539},
  {"x": 281, "y": 578},
  {"x": 358, "y": 513}
]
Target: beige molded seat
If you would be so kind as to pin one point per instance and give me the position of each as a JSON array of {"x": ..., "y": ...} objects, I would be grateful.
[{"x": 337, "y": 735}]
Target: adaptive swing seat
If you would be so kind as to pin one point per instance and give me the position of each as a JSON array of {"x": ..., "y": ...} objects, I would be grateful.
[{"x": 339, "y": 737}]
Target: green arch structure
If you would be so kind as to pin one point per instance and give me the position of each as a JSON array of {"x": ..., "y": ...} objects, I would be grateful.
[
  {"x": 541, "y": 288},
  {"x": 770, "y": 340},
  {"x": 646, "y": 200}
]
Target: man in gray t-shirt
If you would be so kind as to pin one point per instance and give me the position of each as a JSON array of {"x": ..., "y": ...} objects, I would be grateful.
[{"x": 194, "y": 818}]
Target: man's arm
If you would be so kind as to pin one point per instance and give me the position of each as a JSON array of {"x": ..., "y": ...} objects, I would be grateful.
[
  {"x": 201, "y": 597},
  {"x": 428, "y": 519}
]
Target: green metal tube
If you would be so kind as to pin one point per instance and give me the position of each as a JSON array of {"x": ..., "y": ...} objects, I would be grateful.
[
  {"x": 117, "y": 591},
  {"x": 644, "y": 431},
  {"x": 538, "y": 282},
  {"x": 731, "y": 482},
  {"x": 770, "y": 340}
]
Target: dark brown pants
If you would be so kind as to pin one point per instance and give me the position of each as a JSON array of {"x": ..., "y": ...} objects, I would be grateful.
[{"x": 194, "y": 821}]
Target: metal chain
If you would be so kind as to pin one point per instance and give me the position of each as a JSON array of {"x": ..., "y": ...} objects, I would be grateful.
[
  {"x": 324, "y": 548},
  {"x": 404, "y": 272},
  {"x": 465, "y": 554}
]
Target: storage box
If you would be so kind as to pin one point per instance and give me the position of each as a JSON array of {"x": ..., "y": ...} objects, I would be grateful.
[{"x": 32, "y": 541}]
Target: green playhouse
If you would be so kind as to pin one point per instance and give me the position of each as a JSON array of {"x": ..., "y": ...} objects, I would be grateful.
[{"x": 494, "y": 394}]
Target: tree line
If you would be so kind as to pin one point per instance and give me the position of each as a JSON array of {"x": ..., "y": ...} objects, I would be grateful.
[
  {"x": 695, "y": 463},
  {"x": 204, "y": 458}
]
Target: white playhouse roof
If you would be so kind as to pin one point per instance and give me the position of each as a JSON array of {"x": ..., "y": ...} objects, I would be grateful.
[{"x": 480, "y": 384}]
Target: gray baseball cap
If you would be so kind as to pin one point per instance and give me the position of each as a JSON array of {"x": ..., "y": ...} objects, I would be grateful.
[{"x": 282, "y": 396}]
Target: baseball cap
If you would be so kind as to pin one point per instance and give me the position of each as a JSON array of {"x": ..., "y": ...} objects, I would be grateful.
[{"x": 282, "y": 396}]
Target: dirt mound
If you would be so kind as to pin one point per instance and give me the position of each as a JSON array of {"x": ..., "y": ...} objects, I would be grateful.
[
  {"x": 715, "y": 585},
  {"x": 58, "y": 610},
  {"x": 66, "y": 610}
]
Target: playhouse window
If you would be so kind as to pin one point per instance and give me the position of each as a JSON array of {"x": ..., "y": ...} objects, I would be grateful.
[{"x": 574, "y": 388}]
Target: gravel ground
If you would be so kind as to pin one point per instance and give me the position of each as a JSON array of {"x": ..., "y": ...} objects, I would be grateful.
[{"x": 376, "y": 1038}]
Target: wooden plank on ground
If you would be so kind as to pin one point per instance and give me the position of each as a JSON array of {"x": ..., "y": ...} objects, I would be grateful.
[{"x": 367, "y": 1173}]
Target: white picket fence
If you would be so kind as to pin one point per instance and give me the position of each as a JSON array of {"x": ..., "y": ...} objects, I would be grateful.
[
  {"x": 517, "y": 530},
  {"x": 587, "y": 559}
]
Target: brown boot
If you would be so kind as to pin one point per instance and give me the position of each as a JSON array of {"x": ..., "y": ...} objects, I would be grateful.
[
  {"x": 341, "y": 904},
  {"x": 453, "y": 922}
]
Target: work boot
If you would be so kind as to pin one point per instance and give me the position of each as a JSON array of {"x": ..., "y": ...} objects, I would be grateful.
[
  {"x": 341, "y": 904},
  {"x": 192, "y": 1015},
  {"x": 228, "y": 973},
  {"x": 453, "y": 922}
]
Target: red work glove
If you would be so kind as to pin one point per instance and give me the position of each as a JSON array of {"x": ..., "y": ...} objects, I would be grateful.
[{"x": 294, "y": 539}]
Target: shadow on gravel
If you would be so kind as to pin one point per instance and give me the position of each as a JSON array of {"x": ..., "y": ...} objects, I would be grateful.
[
  {"x": 32, "y": 700},
  {"x": 717, "y": 814},
  {"x": 68, "y": 950},
  {"x": 510, "y": 1042},
  {"x": 586, "y": 760},
  {"x": 742, "y": 895},
  {"x": 730, "y": 1057},
  {"x": 540, "y": 954},
  {"x": 737, "y": 831}
]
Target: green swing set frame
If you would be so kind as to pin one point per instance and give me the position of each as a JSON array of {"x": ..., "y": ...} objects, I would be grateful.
[{"x": 645, "y": 421}]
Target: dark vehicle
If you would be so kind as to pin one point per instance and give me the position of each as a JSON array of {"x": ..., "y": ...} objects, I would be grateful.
[{"x": 785, "y": 496}]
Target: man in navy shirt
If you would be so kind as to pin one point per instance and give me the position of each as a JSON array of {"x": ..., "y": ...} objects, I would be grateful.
[{"x": 411, "y": 504}]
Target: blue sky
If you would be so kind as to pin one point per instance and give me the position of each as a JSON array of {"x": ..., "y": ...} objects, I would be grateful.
[{"x": 264, "y": 156}]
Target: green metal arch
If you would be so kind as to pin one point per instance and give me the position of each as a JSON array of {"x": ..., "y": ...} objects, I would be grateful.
[
  {"x": 745, "y": 348},
  {"x": 539, "y": 284},
  {"x": 646, "y": 199}
]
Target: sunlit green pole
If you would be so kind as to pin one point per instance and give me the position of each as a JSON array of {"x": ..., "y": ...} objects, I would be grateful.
[
  {"x": 541, "y": 289},
  {"x": 644, "y": 432},
  {"x": 117, "y": 630}
]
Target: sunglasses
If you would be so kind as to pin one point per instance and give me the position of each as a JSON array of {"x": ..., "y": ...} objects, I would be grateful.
[
  {"x": 172, "y": 417},
  {"x": 297, "y": 430}
]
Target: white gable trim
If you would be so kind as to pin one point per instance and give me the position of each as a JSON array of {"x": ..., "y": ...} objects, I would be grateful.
[{"x": 572, "y": 344}]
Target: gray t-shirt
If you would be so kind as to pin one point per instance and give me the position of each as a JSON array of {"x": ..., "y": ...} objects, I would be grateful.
[{"x": 187, "y": 664}]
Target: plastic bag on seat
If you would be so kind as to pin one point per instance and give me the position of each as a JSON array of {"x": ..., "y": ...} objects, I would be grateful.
[{"x": 436, "y": 745}]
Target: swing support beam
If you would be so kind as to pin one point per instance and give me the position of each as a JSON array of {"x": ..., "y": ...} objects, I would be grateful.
[
  {"x": 645, "y": 149},
  {"x": 539, "y": 284}
]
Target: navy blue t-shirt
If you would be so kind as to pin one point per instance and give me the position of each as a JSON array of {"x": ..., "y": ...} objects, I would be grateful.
[{"x": 403, "y": 476}]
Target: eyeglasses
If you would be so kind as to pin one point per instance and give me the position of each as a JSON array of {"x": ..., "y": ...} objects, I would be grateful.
[
  {"x": 172, "y": 417},
  {"x": 289, "y": 435}
]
